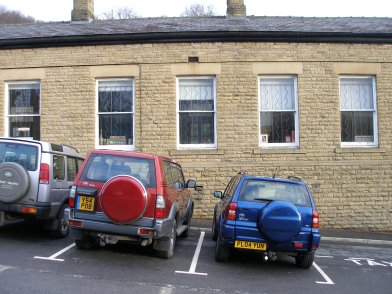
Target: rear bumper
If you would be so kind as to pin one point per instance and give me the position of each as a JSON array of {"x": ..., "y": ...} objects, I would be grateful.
[
  {"x": 100, "y": 224},
  {"x": 38, "y": 210},
  {"x": 309, "y": 240}
]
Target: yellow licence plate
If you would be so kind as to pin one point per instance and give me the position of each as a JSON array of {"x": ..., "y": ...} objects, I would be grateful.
[
  {"x": 250, "y": 245},
  {"x": 85, "y": 203}
]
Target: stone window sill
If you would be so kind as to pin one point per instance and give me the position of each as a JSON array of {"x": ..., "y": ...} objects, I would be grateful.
[
  {"x": 359, "y": 150},
  {"x": 196, "y": 152},
  {"x": 279, "y": 151}
]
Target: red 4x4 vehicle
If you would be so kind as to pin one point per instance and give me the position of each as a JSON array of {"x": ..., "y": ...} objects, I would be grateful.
[{"x": 128, "y": 196}]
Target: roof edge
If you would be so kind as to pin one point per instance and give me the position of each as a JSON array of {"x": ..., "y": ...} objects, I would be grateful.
[{"x": 187, "y": 37}]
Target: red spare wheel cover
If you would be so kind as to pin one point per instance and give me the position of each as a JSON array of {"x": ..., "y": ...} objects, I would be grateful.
[{"x": 123, "y": 199}]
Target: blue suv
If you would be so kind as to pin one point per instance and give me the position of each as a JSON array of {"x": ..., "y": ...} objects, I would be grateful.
[{"x": 267, "y": 215}]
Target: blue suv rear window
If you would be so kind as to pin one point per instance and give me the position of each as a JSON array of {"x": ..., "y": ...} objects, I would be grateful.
[{"x": 261, "y": 190}]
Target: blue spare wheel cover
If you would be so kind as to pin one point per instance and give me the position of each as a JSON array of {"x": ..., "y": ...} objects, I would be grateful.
[{"x": 280, "y": 221}]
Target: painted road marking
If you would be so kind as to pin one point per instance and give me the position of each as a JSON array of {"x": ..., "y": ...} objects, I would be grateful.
[
  {"x": 5, "y": 267},
  {"x": 327, "y": 281},
  {"x": 370, "y": 261},
  {"x": 53, "y": 257},
  {"x": 192, "y": 269}
]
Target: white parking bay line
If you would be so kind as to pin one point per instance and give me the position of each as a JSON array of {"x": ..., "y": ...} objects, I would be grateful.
[
  {"x": 327, "y": 281},
  {"x": 192, "y": 269},
  {"x": 53, "y": 257}
]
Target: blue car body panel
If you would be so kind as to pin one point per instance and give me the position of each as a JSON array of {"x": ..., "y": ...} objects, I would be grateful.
[{"x": 283, "y": 226}]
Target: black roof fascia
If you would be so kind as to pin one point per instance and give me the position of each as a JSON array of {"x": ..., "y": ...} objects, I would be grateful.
[{"x": 187, "y": 37}]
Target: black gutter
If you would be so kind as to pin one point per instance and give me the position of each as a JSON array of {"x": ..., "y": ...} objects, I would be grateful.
[{"x": 188, "y": 37}]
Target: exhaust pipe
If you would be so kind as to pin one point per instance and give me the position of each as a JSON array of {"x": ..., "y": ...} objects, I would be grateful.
[{"x": 107, "y": 239}]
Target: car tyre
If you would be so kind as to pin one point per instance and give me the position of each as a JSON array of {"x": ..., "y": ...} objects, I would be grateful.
[
  {"x": 62, "y": 228},
  {"x": 214, "y": 230},
  {"x": 88, "y": 242},
  {"x": 169, "y": 252},
  {"x": 222, "y": 251},
  {"x": 304, "y": 260}
]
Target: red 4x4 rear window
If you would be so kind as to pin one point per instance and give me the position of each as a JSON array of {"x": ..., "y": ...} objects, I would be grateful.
[{"x": 102, "y": 167}]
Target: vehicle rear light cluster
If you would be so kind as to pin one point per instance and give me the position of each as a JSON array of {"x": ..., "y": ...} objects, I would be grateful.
[
  {"x": 160, "y": 207},
  {"x": 298, "y": 245},
  {"x": 231, "y": 211},
  {"x": 72, "y": 195},
  {"x": 315, "y": 219},
  {"x": 29, "y": 210},
  {"x": 44, "y": 174},
  {"x": 149, "y": 232},
  {"x": 75, "y": 223}
]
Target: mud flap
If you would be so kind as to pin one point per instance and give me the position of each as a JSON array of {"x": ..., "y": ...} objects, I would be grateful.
[
  {"x": 75, "y": 233},
  {"x": 52, "y": 225},
  {"x": 162, "y": 244},
  {"x": 2, "y": 218}
]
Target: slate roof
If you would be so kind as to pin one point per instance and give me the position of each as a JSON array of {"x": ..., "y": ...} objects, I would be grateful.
[{"x": 183, "y": 29}]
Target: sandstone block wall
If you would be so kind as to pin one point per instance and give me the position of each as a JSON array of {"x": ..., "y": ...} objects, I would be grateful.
[{"x": 352, "y": 186}]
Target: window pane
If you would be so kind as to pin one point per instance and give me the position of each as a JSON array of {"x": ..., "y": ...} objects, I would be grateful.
[
  {"x": 356, "y": 94},
  {"x": 116, "y": 129},
  {"x": 116, "y": 96},
  {"x": 58, "y": 167},
  {"x": 24, "y": 98},
  {"x": 197, "y": 128},
  {"x": 71, "y": 168},
  {"x": 357, "y": 126},
  {"x": 100, "y": 167},
  {"x": 25, "y": 126},
  {"x": 178, "y": 178},
  {"x": 277, "y": 94},
  {"x": 256, "y": 190},
  {"x": 24, "y": 155},
  {"x": 277, "y": 127},
  {"x": 196, "y": 94}
]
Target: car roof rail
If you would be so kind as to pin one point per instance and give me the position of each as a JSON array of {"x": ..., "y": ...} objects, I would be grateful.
[
  {"x": 65, "y": 145},
  {"x": 295, "y": 178}
]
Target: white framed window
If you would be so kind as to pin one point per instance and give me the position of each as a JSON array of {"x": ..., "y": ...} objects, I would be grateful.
[
  {"x": 196, "y": 112},
  {"x": 115, "y": 114},
  {"x": 358, "y": 114},
  {"x": 23, "y": 109},
  {"x": 278, "y": 108}
]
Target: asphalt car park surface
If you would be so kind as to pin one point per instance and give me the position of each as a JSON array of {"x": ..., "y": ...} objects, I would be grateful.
[{"x": 33, "y": 262}]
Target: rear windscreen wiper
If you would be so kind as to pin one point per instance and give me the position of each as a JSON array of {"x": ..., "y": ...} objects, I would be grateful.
[{"x": 264, "y": 199}]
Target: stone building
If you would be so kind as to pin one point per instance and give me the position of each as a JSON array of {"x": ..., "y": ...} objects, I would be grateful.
[{"x": 309, "y": 97}]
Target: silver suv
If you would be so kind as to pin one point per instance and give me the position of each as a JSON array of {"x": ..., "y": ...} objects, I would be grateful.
[{"x": 35, "y": 181}]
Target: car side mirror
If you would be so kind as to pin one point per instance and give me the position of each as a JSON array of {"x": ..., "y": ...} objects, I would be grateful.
[
  {"x": 218, "y": 194},
  {"x": 199, "y": 188},
  {"x": 191, "y": 184}
]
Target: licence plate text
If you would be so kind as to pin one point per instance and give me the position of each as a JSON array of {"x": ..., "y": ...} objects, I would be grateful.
[
  {"x": 85, "y": 203},
  {"x": 250, "y": 245}
]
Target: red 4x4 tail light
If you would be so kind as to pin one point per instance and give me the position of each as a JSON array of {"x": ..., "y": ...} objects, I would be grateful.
[
  {"x": 160, "y": 207},
  {"x": 72, "y": 195}
]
